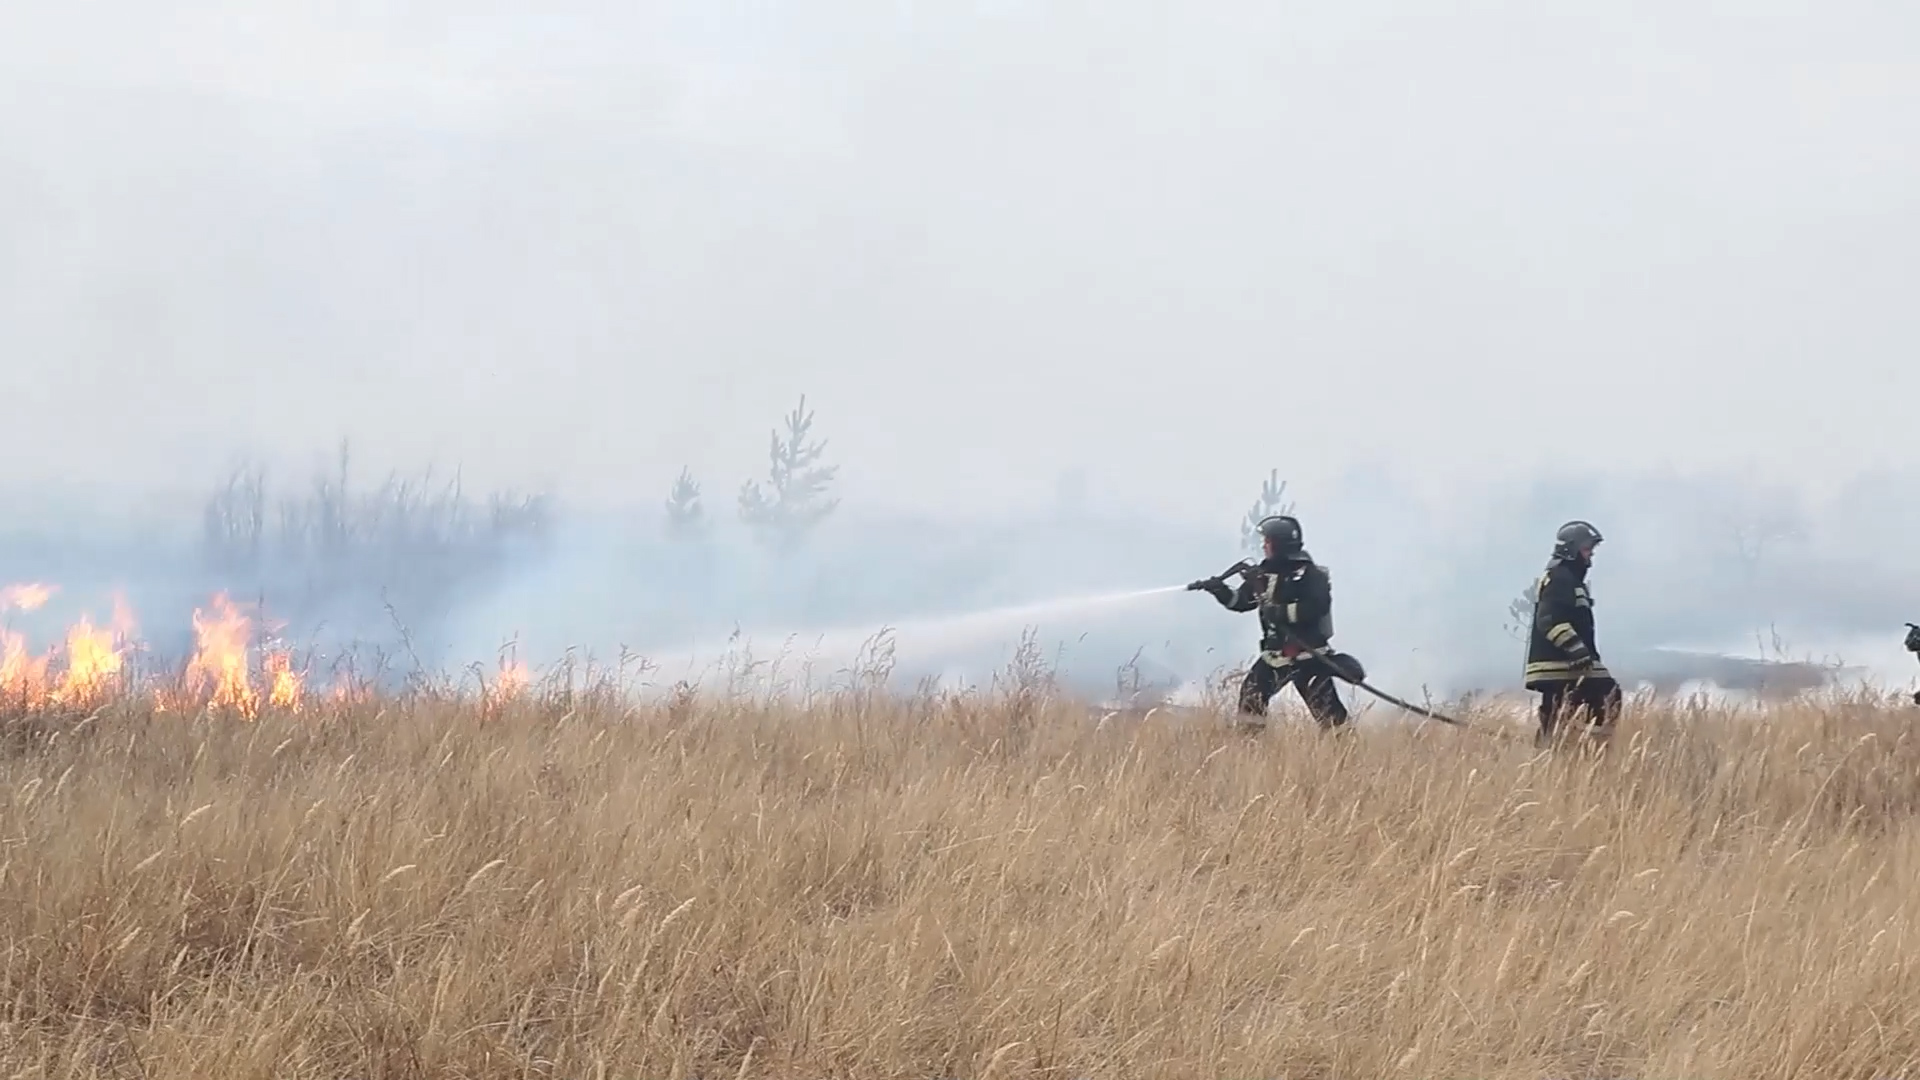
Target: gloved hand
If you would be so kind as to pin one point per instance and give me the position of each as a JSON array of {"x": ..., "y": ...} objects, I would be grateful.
[
  {"x": 1913, "y": 638},
  {"x": 1579, "y": 657},
  {"x": 1215, "y": 586}
]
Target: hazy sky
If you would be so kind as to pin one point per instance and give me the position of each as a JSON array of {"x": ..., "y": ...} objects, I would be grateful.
[{"x": 584, "y": 243}]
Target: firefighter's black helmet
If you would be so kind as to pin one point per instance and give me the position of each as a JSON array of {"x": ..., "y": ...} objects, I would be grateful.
[
  {"x": 1573, "y": 536},
  {"x": 1284, "y": 532}
]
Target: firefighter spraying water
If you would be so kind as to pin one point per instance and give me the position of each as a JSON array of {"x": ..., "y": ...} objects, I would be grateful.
[{"x": 1294, "y": 596}]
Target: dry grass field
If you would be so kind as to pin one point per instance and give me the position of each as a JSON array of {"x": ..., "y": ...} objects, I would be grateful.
[{"x": 966, "y": 888}]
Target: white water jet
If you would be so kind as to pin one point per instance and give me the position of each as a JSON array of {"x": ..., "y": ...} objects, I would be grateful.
[{"x": 925, "y": 640}]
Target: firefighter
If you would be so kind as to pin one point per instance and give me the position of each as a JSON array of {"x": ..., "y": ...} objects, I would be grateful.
[
  {"x": 1294, "y": 596},
  {"x": 1563, "y": 659},
  {"x": 1913, "y": 646}
]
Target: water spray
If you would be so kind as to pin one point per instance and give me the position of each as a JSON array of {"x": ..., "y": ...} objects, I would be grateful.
[
  {"x": 938, "y": 633},
  {"x": 951, "y": 629}
]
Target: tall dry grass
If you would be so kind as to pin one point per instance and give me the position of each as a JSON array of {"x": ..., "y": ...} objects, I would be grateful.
[{"x": 924, "y": 888}]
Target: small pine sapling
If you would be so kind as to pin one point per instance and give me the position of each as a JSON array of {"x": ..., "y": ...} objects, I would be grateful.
[
  {"x": 1520, "y": 615},
  {"x": 686, "y": 517},
  {"x": 1272, "y": 501},
  {"x": 795, "y": 500}
]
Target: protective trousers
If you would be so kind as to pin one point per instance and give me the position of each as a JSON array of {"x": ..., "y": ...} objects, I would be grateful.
[
  {"x": 1599, "y": 698},
  {"x": 1309, "y": 677}
]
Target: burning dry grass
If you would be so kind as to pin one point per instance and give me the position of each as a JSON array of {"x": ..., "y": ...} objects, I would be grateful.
[
  {"x": 950, "y": 889},
  {"x": 230, "y": 668}
]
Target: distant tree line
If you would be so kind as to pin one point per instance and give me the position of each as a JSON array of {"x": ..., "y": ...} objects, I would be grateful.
[{"x": 416, "y": 542}]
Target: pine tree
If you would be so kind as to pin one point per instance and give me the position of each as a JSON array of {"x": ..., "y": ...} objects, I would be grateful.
[
  {"x": 1271, "y": 502},
  {"x": 1519, "y": 624},
  {"x": 686, "y": 518},
  {"x": 795, "y": 500}
]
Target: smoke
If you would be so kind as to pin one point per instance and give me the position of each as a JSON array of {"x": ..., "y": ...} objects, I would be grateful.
[
  {"x": 350, "y": 571},
  {"x": 1700, "y": 579},
  {"x": 1537, "y": 269}
]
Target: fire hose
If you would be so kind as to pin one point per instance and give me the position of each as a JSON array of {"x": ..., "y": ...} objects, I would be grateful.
[{"x": 1331, "y": 659}]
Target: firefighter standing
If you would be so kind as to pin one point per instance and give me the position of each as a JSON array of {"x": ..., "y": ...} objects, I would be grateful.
[
  {"x": 1294, "y": 596},
  {"x": 1563, "y": 660},
  {"x": 1913, "y": 646}
]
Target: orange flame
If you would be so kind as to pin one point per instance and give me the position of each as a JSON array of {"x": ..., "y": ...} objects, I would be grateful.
[
  {"x": 348, "y": 691},
  {"x": 510, "y": 684},
  {"x": 220, "y": 656},
  {"x": 123, "y": 621},
  {"x": 286, "y": 690},
  {"x": 93, "y": 659},
  {"x": 23, "y": 676},
  {"x": 27, "y": 597}
]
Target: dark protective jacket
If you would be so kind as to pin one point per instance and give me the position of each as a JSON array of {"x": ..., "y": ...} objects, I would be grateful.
[
  {"x": 1292, "y": 594},
  {"x": 1562, "y": 627}
]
